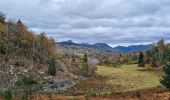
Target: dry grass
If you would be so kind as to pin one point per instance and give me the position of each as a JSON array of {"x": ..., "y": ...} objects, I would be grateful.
[
  {"x": 121, "y": 79},
  {"x": 53, "y": 97},
  {"x": 129, "y": 77},
  {"x": 147, "y": 94},
  {"x": 158, "y": 93}
]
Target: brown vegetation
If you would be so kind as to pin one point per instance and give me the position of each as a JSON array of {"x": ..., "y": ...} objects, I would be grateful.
[{"x": 149, "y": 94}]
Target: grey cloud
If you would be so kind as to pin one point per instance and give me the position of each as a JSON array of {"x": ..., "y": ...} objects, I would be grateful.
[{"x": 116, "y": 22}]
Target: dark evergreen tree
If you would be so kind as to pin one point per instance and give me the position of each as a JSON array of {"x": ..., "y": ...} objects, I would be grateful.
[
  {"x": 2, "y": 50},
  {"x": 85, "y": 58},
  {"x": 8, "y": 95},
  {"x": 166, "y": 56},
  {"x": 2, "y": 17},
  {"x": 85, "y": 65},
  {"x": 3, "y": 42},
  {"x": 166, "y": 78},
  {"x": 52, "y": 66},
  {"x": 19, "y": 21},
  {"x": 141, "y": 60}
]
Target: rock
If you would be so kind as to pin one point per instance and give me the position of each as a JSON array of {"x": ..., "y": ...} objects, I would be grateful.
[{"x": 61, "y": 85}]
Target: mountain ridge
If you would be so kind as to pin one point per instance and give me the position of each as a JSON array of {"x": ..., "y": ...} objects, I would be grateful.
[
  {"x": 133, "y": 48},
  {"x": 107, "y": 48}
]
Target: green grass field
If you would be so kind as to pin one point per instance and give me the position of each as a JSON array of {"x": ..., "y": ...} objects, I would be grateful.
[
  {"x": 117, "y": 79},
  {"x": 129, "y": 77}
]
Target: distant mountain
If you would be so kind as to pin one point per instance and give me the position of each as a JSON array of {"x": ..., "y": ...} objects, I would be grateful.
[
  {"x": 132, "y": 48},
  {"x": 97, "y": 46},
  {"x": 105, "y": 47},
  {"x": 69, "y": 42}
]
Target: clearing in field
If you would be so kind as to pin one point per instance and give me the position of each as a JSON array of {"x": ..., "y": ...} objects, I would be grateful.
[
  {"x": 129, "y": 77},
  {"x": 117, "y": 79}
]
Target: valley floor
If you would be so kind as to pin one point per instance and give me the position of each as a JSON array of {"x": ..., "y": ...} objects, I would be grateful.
[
  {"x": 118, "y": 79},
  {"x": 130, "y": 77},
  {"x": 126, "y": 82}
]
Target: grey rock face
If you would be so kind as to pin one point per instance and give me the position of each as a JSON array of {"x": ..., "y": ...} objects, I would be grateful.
[{"x": 60, "y": 85}]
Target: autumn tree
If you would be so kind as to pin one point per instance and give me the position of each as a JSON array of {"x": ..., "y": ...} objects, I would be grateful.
[
  {"x": 155, "y": 56},
  {"x": 3, "y": 39},
  {"x": 161, "y": 48},
  {"x": 41, "y": 46},
  {"x": 17, "y": 32},
  {"x": 17, "y": 39}
]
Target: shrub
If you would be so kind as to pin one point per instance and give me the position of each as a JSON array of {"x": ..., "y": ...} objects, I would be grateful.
[
  {"x": 8, "y": 95},
  {"x": 26, "y": 81},
  {"x": 52, "y": 66},
  {"x": 85, "y": 65},
  {"x": 141, "y": 60},
  {"x": 132, "y": 62},
  {"x": 89, "y": 66},
  {"x": 2, "y": 47},
  {"x": 148, "y": 66},
  {"x": 85, "y": 70}
]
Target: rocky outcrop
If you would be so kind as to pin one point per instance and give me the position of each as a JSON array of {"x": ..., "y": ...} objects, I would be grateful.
[
  {"x": 60, "y": 85},
  {"x": 13, "y": 68}
]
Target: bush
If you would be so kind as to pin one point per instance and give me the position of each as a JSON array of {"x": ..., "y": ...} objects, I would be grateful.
[
  {"x": 8, "y": 95},
  {"x": 141, "y": 60},
  {"x": 148, "y": 66},
  {"x": 26, "y": 81},
  {"x": 52, "y": 66},
  {"x": 2, "y": 48},
  {"x": 85, "y": 65},
  {"x": 85, "y": 70},
  {"x": 89, "y": 66},
  {"x": 132, "y": 62},
  {"x": 154, "y": 64}
]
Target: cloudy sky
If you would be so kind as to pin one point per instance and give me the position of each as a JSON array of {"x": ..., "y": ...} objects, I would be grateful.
[{"x": 116, "y": 22}]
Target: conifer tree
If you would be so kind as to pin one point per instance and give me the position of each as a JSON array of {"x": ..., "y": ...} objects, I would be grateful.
[
  {"x": 2, "y": 17},
  {"x": 85, "y": 65},
  {"x": 52, "y": 66},
  {"x": 166, "y": 78},
  {"x": 141, "y": 60}
]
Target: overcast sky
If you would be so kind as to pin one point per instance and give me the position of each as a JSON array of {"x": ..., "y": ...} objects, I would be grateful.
[{"x": 116, "y": 22}]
